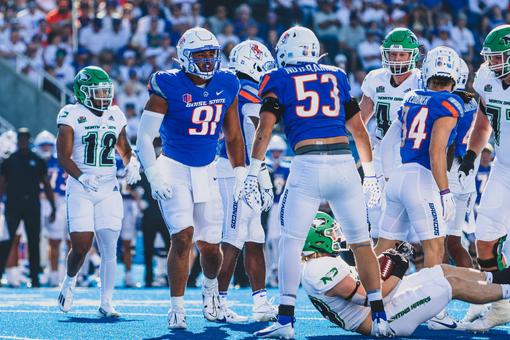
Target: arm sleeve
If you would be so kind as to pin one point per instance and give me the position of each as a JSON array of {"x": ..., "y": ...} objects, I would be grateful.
[
  {"x": 388, "y": 150},
  {"x": 147, "y": 131},
  {"x": 65, "y": 117}
]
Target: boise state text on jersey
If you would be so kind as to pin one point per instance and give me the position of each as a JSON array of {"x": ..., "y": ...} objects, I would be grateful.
[
  {"x": 418, "y": 113},
  {"x": 461, "y": 132},
  {"x": 192, "y": 124},
  {"x": 312, "y": 96},
  {"x": 57, "y": 176},
  {"x": 247, "y": 95}
]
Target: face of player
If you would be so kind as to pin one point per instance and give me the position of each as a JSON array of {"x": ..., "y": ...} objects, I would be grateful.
[
  {"x": 276, "y": 154},
  {"x": 205, "y": 60},
  {"x": 102, "y": 97},
  {"x": 23, "y": 141},
  {"x": 399, "y": 56}
]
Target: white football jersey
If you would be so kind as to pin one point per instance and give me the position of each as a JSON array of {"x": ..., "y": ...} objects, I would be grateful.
[
  {"x": 387, "y": 98},
  {"x": 497, "y": 106},
  {"x": 95, "y": 137},
  {"x": 318, "y": 277}
]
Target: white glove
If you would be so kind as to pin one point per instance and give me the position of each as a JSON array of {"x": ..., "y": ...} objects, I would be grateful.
[
  {"x": 132, "y": 171},
  {"x": 381, "y": 328},
  {"x": 240, "y": 175},
  {"x": 251, "y": 193},
  {"x": 161, "y": 190},
  {"x": 372, "y": 188},
  {"x": 448, "y": 205},
  {"x": 266, "y": 188},
  {"x": 90, "y": 182}
]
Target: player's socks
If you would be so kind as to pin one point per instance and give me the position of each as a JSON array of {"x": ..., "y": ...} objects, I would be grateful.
[
  {"x": 107, "y": 242},
  {"x": 223, "y": 297},
  {"x": 177, "y": 302},
  {"x": 505, "y": 288},
  {"x": 210, "y": 283},
  {"x": 70, "y": 281},
  {"x": 259, "y": 297}
]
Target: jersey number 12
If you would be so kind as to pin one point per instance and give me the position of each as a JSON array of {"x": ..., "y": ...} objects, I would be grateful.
[{"x": 107, "y": 145}]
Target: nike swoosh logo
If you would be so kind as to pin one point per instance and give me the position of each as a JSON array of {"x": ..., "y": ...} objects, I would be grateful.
[
  {"x": 219, "y": 92},
  {"x": 451, "y": 326}
]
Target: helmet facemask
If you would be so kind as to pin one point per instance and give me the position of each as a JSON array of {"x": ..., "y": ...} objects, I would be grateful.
[
  {"x": 98, "y": 97},
  {"x": 200, "y": 66},
  {"x": 398, "y": 67},
  {"x": 497, "y": 62}
]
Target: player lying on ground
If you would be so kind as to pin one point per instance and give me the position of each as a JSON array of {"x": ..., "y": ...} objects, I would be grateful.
[{"x": 335, "y": 290}]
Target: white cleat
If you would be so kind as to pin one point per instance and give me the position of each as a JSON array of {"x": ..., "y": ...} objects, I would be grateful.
[
  {"x": 498, "y": 314},
  {"x": 474, "y": 312},
  {"x": 443, "y": 321},
  {"x": 65, "y": 298},
  {"x": 264, "y": 312},
  {"x": 211, "y": 303},
  {"x": 108, "y": 312},
  {"x": 229, "y": 316},
  {"x": 278, "y": 331},
  {"x": 177, "y": 319}
]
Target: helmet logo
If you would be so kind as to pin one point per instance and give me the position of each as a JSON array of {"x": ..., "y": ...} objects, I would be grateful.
[
  {"x": 84, "y": 76},
  {"x": 256, "y": 51},
  {"x": 285, "y": 37},
  {"x": 443, "y": 61},
  {"x": 506, "y": 39}
]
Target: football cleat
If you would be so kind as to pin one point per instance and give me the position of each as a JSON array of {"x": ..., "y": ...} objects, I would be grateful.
[
  {"x": 443, "y": 321},
  {"x": 177, "y": 319},
  {"x": 283, "y": 328},
  {"x": 498, "y": 314},
  {"x": 264, "y": 312},
  {"x": 229, "y": 316},
  {"x": 211, "y": 303},
  {"x": 65, "y": 298},
  {"x": 108, "y": 312},
  {"x": 474, "y": 312}
]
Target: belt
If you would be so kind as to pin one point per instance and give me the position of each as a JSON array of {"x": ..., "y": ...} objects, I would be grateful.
[{"x": 324, "y": 149}]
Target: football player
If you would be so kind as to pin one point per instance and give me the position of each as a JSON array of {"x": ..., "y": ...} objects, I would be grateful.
[
  {"x": 242, "y": 226},
  {"x": 491, "y": 83},
  {"x": 383, "y": 92},
  {"x": 45, "y": 143},
  {"x": 315, "y": 105},
  {"x": 336, "y": 292},
  {"x": 417, "y": 192},
  {"x": 189, "y": 107},
  {"x": 89, "y": 133},
  {"x": 279, "y": 170}
]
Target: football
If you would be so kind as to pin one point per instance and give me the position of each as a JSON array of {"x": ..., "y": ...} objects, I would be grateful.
[{"x": 387, "y": 265}]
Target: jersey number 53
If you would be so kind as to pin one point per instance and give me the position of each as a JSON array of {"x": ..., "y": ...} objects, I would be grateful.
[{"x": 314, "y": 99}]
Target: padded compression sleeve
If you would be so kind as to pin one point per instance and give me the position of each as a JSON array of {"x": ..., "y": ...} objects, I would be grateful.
[{"x": 147, "y": 131}]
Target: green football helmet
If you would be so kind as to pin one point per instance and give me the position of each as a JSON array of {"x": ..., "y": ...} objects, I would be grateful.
[
  {"x": 324, "y": 236},
  {"x": 93, "y": 88},
  {"x": 396, "y": 41},
  {"x": 496, "y": 50}
]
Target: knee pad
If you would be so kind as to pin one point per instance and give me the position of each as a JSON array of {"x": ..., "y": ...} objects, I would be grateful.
[{"x": 497, "y": 259}]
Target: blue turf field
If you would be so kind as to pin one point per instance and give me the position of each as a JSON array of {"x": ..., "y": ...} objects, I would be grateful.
[{"x": 32, "y": 313}]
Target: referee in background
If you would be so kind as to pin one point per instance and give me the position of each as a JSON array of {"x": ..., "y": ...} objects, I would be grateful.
[{"x": 21, "y": 176}]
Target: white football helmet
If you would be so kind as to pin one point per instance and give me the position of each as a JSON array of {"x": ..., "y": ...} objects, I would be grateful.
[
  {"x": 463, "y": 75},
  {"x": 277, "y": 143},
  {"x": 443, "y": 62},
  {"x": 251, "y": 58},
  {"x": 297, "y": 45},
  {"x": 194, "y": 40},
  {"x": 8, "y": 143},
  {"x": 44, "y": 144}
]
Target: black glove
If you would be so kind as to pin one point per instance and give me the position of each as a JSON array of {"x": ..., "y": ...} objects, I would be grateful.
[
  {"x": 400, "y": 261},
  {"x": 468, "y": 163}
]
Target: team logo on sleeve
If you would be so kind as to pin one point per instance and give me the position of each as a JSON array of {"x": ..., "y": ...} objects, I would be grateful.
[
  {"x": 329, "y": 275},
  {"x": 82, "y": 119},
  {"x": 187, "y": 98},
  {"x": 64, "y": 114},
  {"x": 488, "y": 88},
  {"x": 379, "y": 89}
]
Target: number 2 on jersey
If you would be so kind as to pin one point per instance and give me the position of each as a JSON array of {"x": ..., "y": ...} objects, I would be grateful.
[
  {"x": 417, "y": 127},
  {"x": 209, "y": 122},
  {"x": 303, "y": 94},
  {"x": 107, "y": 144}
]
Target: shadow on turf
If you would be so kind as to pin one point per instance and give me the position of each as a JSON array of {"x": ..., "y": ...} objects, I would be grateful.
[
  {"x": 81, "y": 319},
  {"x": 209, "y": 332}
]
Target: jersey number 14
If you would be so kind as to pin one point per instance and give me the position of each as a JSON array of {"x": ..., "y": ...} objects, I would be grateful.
[{"x": 417, "y": 127}]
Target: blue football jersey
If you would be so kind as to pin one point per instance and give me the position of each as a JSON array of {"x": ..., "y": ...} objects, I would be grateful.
[
  {"x": 463, "y": 126},
  {"x": 279, "y": 174},
  {"x": 192, "y": 124},
  {"x": 313, "y": 97},
  {"x": 247, "y": 95},
  {"x": 418, "y": 113},
  {"x": 57, "y": 176}
]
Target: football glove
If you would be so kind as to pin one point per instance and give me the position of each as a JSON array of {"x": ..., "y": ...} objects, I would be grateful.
[
  {"x": 400, "y": 261},
  {"x": 466, "y": 168},
  {"x": 240, "y": 175},
  {"x": 372, "y": 188},
  {"x": 161, "y": 190},
  {"x": 90, "y": 182},
  {"x": 266, "y": 188},
  {"x": 132, "y": 171},
  {"x": 251, "y": 193},
  {"x": 448, "y": 205}
]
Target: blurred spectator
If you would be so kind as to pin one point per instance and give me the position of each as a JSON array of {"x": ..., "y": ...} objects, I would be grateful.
[
  {"x": 374, "y": 12},
  {"x": 463, "y": 37},
  {"x": 219, "y": 20},
  {"x": 166, "y": 53},
  {"x": 29, "y": 19},
  {"x": 107, "y": 11},
  {"x": 33, "y": 63},
  {"x": 64, "y": 72},
  {"x": 307, "y": 10},
  {"x": 327, "y": 26},
  {"x": 93, "y": 37},
  {"x": 369, "y": 52},
  {"x": 151, "y": 65},
  {"x": 15, "y": 45},
  {"x": 119, "y": 36},
  {"x": 144, "y": 23},
  {"x": 128, "y": 96},
  {"x": 196, "y": 18},
  {"x": 59, "y": 16},
  {"x": 133, "y": 120},
  {"x": 227, "y": 36},
  {"x": 243, "y": 20},
  {"x": 179, "y": 21},
  {"x": 352, "y": 35},
  {"x": 345, "y": 8},
  {"x": 129, "y": 58},
  {"x": 443, "y": 39}
]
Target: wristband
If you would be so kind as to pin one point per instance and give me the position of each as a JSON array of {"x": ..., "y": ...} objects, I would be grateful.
[
  {"x": 255, "y": 165},
  {"x": 470, "y": 156},
  {"x": 444, "y": 192},
  {"x": 368, "y": 169}
]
